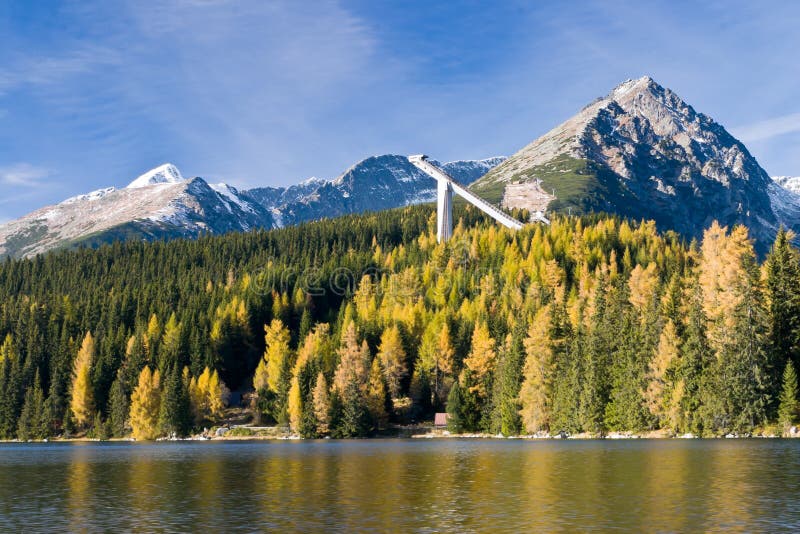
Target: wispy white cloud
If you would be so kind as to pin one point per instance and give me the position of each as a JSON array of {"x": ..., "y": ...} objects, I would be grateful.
[
  {"x": 767, "y": 129},
  {"x": 23, "y": 175},
  {"x": 27, "y": 70}
]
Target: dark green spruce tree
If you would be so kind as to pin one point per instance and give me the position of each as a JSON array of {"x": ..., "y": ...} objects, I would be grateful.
[
  {"x": 119, "y": 405},
  {"x": 783, "y": 292},
  {"x": 788, "y": 402},
  {"x": 175, "y": 416}
]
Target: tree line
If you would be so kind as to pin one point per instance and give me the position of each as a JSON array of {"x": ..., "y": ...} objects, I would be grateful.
[{"x": 591, "y": 324}]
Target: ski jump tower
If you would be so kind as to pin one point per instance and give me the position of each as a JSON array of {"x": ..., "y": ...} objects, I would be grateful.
[{"x": 446, "y": 186}]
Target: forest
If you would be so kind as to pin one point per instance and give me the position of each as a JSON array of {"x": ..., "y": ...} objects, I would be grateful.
[{"x": 353, "y": 326}]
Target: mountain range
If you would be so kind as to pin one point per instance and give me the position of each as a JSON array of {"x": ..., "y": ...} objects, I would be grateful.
[
  {"x": 639, "y": 152},
  {"x": 162, "y": 204}
]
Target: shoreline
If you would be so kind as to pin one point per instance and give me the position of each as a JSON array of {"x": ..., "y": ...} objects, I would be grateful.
[{"x": 436, "y": 434}]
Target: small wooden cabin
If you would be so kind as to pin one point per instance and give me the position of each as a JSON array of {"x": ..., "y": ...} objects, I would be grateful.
[{"x": 440, "y": 420}]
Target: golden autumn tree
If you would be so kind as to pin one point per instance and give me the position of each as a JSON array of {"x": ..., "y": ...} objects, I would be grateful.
[
  {"x": 377, "y": 396},
  {"x": 537, "y": 385},
  {"x": 276, "y": 354},
  {"x": 722, "y": 278},
  {"x": 145, "y": 405},
  {"x": 393, "y": 359},
  {"x": 260, "y": 381},
  {"x": 207, "y": 395},
  {"x": 82, "y": 401},
  {"x": 217, "y": 394},
  {"x": 171, "y": 341},
  {"x": 152, "y": 336},
  {"x": 7, "y": 349},
  {"x": 436, "y": 355},
  {"x": 658, "y": 396},
  {"x": 482, "y": 358},
  {"x": 295, "y": 404},
  {"x": 322, "y": 404},
  {"x": 643, "y": 283},
  {"x": 354, "y": 360}
]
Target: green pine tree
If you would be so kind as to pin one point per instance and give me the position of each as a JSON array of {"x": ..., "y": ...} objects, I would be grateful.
[
  {"x": 354, "y": 420},
  {"x": 506, "y": 418},
  {"x": 783, "y": 289},
  {"x": 175, "y": 415},
  {"x": 119, "y": 406},
  {"x": 455, "y": 408},
  {"x": 30, "y": 424},
  {"x": 789, "y": 405}
]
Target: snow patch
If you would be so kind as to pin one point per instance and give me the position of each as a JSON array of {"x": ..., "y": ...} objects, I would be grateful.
[
  {"x": 792, "y": 183},
  {"x": 785, "y": 203},
  {"x": 231, "y": 195},
  {"x": 94, "y": 195},
  {"x": 164, "y": 174},
  {"x": 277, "y": 215}
]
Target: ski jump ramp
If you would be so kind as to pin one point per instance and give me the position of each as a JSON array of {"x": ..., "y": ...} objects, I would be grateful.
[{"x": 446, "y": 186}]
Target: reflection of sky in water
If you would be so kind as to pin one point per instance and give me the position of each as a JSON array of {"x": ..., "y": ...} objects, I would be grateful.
[{"x": 402, "y": 485}]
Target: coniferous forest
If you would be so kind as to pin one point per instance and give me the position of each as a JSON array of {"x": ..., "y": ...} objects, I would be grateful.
[{"x": 347, "y": 327}]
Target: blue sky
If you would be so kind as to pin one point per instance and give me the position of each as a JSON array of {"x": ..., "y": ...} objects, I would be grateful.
[{"x": 268, "y": 92}]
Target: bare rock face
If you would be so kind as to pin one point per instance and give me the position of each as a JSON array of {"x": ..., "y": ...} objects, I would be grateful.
[{"x": 641, "y": 152}]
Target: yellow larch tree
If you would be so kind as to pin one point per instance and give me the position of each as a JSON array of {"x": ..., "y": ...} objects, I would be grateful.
[
  {"x": 393, "y": 358},
  {"x": 322, "y": 404},
  {"x": 295, "y": 404},
  {"x": 722, "y": 276},
  {"x": 276, "y": 353},
  {"x": 658, "y": 394},
  {"x": 145, "y": 405},
  {"x": 354, "y": 359},
  {"x": 436, "y": 355},
  {"x": 152, "y": 336},
  {"x": 482, "y": 358},
  {"x": 7, "y": 350},
  {"x": 538, "y": 372},
  {"x": 207, "y": 395},
  {"x": 216, "y": 395},
  {"x": 642, "y": 284},
  {"x": 82, "y": 401},
  {"x": 377, "y": 396}
]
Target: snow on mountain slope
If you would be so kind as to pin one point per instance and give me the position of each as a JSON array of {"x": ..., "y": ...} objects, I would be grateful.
[
  {"x": 467, "y": 171},
  {"x": 231, "y": 194},
  {"x": 160, "y": 204},
  {"x": 94, "y": 195},
  {"x": 163, "y": 174},
  {"x": 274, "y": 197},
  {"x": 792, "y": 183},
  {"x": 785, "y": 203}
]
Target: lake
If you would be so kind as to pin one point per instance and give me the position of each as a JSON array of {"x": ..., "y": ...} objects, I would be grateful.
[{"x": 402, "y": 485}]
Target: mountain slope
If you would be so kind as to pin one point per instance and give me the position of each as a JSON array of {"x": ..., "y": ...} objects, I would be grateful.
[
  {"x": 375, "y": 183},
  {"x": 159, "y": 204},
  {"x": 792, "y": 183},
  {"x": 162, "y": 204},
  {"x": 640, "y": 152}
]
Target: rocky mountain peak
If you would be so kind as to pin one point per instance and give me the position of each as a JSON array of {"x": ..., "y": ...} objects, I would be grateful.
[{"x": 642, "y": 152}]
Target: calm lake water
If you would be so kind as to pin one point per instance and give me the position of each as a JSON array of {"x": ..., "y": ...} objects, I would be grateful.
[{"x": 402, "y": 485}]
